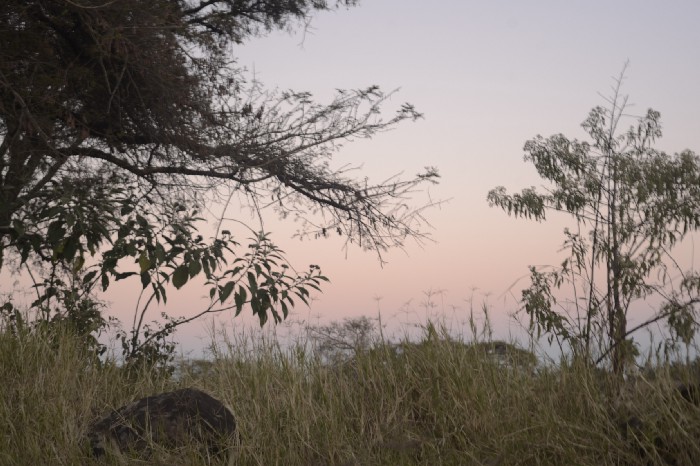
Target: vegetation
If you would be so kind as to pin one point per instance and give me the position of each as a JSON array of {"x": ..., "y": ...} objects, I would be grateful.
[
  {"x": 120, "y": 121},
  {"x": 631, "y": 203},
  {"x": 438, "y": 402}
]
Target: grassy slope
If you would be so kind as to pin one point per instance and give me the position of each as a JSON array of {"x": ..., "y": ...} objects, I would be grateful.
[{"x": 436, "y": 403}]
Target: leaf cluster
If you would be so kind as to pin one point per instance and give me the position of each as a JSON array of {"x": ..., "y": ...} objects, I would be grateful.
[
  {"x": 631, "y": 203},
  {"x": 120, "y": 120}
]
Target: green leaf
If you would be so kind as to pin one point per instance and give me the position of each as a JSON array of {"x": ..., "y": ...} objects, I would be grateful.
[
  {"x": 180, "y": 276},
  {"x": 144, "y": 263},
  {"x": 18, "y": 227},
  {"x": 205, "y": 265},
  {"x": 234, "y": 271},
  {"x": 162, "y": 293},
  {"x": 240, "y": 299},
  {"x": 122, "y": 275},
  {"x": 130, "y": 249},
  {"x": 55, "y": 232},
  {"x": 252, "y": 283},
  {"x": 314, "y": 286},
  {"x": 264, "y": 298},
  {"x": 24, "y": 254},
  {"x": 145, "y": 279},
  {"x": 194, "y": 268},
  {"x": 123, "y": 231},
  {"x": 89, "y": 276},
  {"x": 302, "y": 293},
  {"x": 261, "y": 315},
  {"x": 226, "y": 291},
  {"x": 70, "y": 247},
  {"x": 160, "y": 253},
  {"x": 78, "y": 264},
  {"x": 276, "y": 315}
]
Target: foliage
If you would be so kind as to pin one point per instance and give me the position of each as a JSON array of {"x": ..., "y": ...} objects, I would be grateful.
[
  {"x": 120, "y": 120},
  {"x": 338, "y": 342},
  {"x": 95, "y": 89},
  {"x": 78, "y": 315},
  {"x": 631, "y": 203},
  {"x": 440, "y": 404}
]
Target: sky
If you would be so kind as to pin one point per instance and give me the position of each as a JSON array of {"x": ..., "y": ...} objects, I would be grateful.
[{"x": 487, "y": 76}]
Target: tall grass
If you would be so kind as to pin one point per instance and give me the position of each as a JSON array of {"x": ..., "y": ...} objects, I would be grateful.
[{"x": 434, "y": 402}]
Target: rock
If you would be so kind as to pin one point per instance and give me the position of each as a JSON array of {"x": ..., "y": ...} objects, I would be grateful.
[{"x": 169, "y": 420}]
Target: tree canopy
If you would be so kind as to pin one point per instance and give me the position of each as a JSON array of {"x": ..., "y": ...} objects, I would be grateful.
[
  {"x": 117, "y": 119},
  {"x": 631, "y": 204}
]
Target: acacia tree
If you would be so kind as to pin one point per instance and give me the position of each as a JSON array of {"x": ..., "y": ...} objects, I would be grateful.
[
  {"x": 119, "y": 119},
  {"x": 631, "y": 204}
]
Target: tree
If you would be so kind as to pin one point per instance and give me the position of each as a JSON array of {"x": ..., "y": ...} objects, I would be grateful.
[
  {"x": 340, "y": 342},
  {"x": 631, "y": 204},
  {"x": 120, "y": 120}
]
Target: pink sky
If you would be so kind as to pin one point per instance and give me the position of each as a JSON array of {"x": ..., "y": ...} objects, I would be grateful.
[{"x": 488, "y": 76}]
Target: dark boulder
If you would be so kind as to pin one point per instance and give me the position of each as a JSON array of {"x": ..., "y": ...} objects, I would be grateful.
[{"x": 169, "y": 420}]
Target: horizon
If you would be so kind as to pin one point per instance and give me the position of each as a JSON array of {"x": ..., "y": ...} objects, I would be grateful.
[{"x": 487, "y": 77}]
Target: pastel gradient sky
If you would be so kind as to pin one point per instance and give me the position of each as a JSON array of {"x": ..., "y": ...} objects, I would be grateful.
[{"x": 488, "y": 75}]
